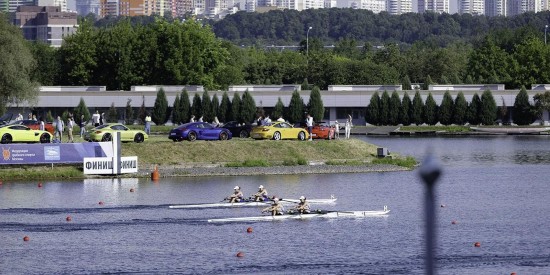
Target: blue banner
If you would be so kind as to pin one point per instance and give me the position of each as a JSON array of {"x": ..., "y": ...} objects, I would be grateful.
[{"x": 53, "y": 152}]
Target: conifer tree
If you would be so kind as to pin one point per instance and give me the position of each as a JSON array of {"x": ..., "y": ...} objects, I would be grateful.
[
  {"x": 373, "y": 110},
  {"x": 236, "y": 107},
  {"x": 49, "y": 116},
  {"x": 522, "y": 114},
  {"x": 489, "y": 108},
  {"x": 469, "y": 80},
  {"x": 446, "y": 109},
  {"x": 160, "y": 109},
  {"x": 129, "y": 112},
  {"x": 80, "y": 110},
  {"x": 184, "y": 107},
  {"x": 279, "y": 109},
  {"x": 384, "y": 108},
  {"x": 142, "y": 111},
  {"x": 474, "y": 110},
  {"x": 417, "y": 109},
  {"x": 461, "y": 109},
  {"x": 176, "y": 115},
  {"x": 215, "y": 106},
  {"x": 430, "y": 110},
  {"x": 315, "y": 105},
  {"x": 456, "y": 79},
  {"x": 248, "y": 108},
  {"x": 427, "y": 83},
  {"x": 112, "y": 115},
  {"x": 406, "y": 110},
  {"x": 407, "y": 83},
  {"x": 224, "y": 113},
  {"x": 196, "y": 108},
  {"x": 395, "y": 106},
  {"x": 296, "y": 108},
  {"x": 206, "y": 106}
]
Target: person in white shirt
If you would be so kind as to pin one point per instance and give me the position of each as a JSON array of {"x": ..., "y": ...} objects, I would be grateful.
[
  {"x": 192, "y": 119},
  {"x": 200, "y": 119},
  {"x": 267, "y": 121},
  {"x": 70, "y": 125},
  {"x": 348, "y": 126},
  {"x": 336, "y": 130},
  {"x": 280, "y": 119},
  {"x": 309, "y": 124},
  {"x": 95, "y": 118},
  {"x": 148, "y": 124},
  {"x": 42, "y": 125}
]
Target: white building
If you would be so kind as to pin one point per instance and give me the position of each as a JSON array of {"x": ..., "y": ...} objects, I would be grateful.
[
  {"x": 439, "y": 6},
  {"x": 475, "y": 7},
  {"x": 375, "y": 6},
  {"x": 397, "y": 7},
  {"x": 85, "y": 7},
  {"x": 52, "y": 3},
  {"x": 496, "y": 7}
]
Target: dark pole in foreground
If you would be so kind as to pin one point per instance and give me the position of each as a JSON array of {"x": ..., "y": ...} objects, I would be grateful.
[{"x": 430, "y": 172}]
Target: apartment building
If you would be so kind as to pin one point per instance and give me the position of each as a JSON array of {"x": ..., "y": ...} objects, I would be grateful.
[
  {"x": 85, "y": 7},
  {"x": 475, "y": 7},
  {"x": 46, "y": 24},
  {"x": 439, "y": 6},
  {"x": 397, "y": 7}
]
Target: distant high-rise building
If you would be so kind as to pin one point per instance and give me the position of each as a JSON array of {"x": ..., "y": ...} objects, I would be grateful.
[
  {"x": 85, "y": 7},
  {"x": 46, "y": 24},
  {"x": 4, "y": 6},
  {"x": 516, "y": 7},
  {"x": 183, "y": 7},
  {"x": 476, "y": 7},
  {"x": 397, "y": 7},
  {"x": 496, "y": 7},
  {"x": 330, "y": 4},
  {"x": 108, "y": 7},
  {"x": 439, "y": 6},
  {"x": 11, "y": 5},
  {"x": 375, "y": 6},
  {"x": 52, "y": 3}
]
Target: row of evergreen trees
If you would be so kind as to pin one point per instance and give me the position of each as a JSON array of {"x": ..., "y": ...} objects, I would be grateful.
[{"x": 392, "y": 110}]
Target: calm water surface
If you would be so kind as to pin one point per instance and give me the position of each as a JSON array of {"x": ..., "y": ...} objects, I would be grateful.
[{"x": 496, "y": 188}]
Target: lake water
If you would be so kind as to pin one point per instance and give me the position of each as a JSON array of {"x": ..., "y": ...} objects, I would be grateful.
[{"x": 495, "y": 188}]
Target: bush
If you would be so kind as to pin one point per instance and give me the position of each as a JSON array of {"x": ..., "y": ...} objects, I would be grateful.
[{"x": 249, "y": 163}]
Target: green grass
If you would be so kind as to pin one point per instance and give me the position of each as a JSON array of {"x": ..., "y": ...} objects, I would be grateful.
[
  {"x": 249, "y": 163},
  {"x": 408, "y": 162},
  {"x": 40, "y": 172}
]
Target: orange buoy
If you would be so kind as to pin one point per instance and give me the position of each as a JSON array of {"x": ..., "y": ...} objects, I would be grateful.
[
  {"x": 477, "y": 244},
  {"x": 249, "y": 230},
  {"x": 39, "y": 185},
  {"x": 100, "y": 203},
  {"x": 131, "y": 189},
  {"x": 155, "y": 175},
  {"x": 26, "y": 239},
  {"x": 454, "y": 222},
  {"x": 68, "y": 218},
  {"x": 240, "y": 254}
]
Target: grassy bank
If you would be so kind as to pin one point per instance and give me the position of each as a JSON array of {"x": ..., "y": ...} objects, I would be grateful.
[{"x": 158, "y": 150}]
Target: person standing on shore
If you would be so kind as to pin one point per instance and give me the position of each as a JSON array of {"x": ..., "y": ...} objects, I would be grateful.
[
  {"x": 70, "y": 125},
  {"x": 42, "y": 124},
  {"x": 95, "y": 118},
  {"x": 336, "y": 130},
  {"x": 348, "y": 126},
  {"x": 59, "y": 127},
  {"x": 82, "y": 126},
  {"x": 148, "y": 123},
  {"x": 309, "y": 124}
]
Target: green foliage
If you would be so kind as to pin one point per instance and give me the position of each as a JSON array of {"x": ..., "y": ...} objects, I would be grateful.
[
  {"x": 160, "y": 109},
  {"x": 80, "y": 110},
  {"x": 523, "y": 114},
  {"x": 461, "y": 109},
  {"x": 446, "y": 109},
  {"x": 236, "y": 107},
  {"x": 78, "y": 56},
  {"x": 295, "y": 161},
  {"x": 305, "y": 84},
  {"x": 417, "y": 116},
  {"x": 405, "y": 111},
  {"x": 249, "y": 163},
  {"x": 430, "y": 110},
  {"x": 176, "y": 115},
  {"x": 474, "y": 110},
  {"x": 408, "y": 162},
  {"x": 47, "y": 69},
  {"x": 196, "y": 108},
  {"x": 111, "y": 114},
  {"x": 384, "y": 108},
  {"x": 427, "y": 83},
  {"x": 224, "y": 113},
  {"x": 184, "y": 107},
  {"x": 488, "y": 109},
  {"x": 395, "y": 106},
  {"x": 373, "y": 110},
  {"x": 279, "y": 109},
  {"x": 49, "y": 116},
  {"x": 296, "y": 108},
  {"x": 129, "y": 113},
  {"x": 248, "y": 108},
  {"x": 142, "y": 113},
  {"x": 406, "y": 83},
  {"x": 215, "y": 106},
  {"x": 542, "y": 103},
  {"x": 16, "y": 66},
  {"x": 206, "y": 104},
  {"x": 315, "y": 105}
]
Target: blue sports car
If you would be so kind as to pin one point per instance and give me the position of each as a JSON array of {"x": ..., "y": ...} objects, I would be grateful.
[{"x": 199, "y": 130}]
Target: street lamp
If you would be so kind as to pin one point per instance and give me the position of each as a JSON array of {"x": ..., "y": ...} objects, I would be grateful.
[
  {"x": 307, "y": 40},
  {"x": 545, "y": 28}
]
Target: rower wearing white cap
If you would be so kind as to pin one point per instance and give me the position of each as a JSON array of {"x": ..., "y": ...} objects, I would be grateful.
[
  {"x": 303, "y": 206},
  {"x": 237, "y": 195},
  {"x": 276, "y": 208},
  {"x": 261, "y": 195}
]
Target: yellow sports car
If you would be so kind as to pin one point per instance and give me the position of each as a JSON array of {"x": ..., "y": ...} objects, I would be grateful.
[
  {"x": 21, "y": 133},
  {"x": 105, "y": 133},
  {"x": 278, "y": 131}
]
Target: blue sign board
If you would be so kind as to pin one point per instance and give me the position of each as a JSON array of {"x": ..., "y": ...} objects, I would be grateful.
[{"x": 53, "y": 152}]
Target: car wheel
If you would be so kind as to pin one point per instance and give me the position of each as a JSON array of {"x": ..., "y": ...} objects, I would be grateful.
[
  {"x": 45, "y": 138},
  {"x": 106, "y": 137},
  {"x": 192, "y": 136},
  {"x": 6, "y": 139},
  {"x": 302, "y": 136},
  {"x": 138, "y": 138},
  {"x": 277, "y": 136},
  {"x": 223, "y": 136},
  {"x": 244, "y": 134}
]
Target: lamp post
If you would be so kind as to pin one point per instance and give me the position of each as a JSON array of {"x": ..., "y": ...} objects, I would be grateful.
[
  {"x": 307, "y": 41},
  {"x": 545, "y": 28}
]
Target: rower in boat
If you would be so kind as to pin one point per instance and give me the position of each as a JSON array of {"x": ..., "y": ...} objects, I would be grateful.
[
  {"x": 303, "y": 206},
  {"x": 276, "y": 208},
  {"x": 237, "y": 195},
  {"x": 261, "y": 195}
]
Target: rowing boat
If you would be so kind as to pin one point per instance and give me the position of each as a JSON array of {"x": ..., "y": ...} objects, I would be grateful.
[
  {"x": 316, "y": 214},
  {"x": 332, "y": 200}
]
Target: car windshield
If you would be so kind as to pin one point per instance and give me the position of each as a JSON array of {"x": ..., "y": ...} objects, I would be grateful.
[
  {"x": 186, "y": 125},
  {"x": 101, "y": 126}
]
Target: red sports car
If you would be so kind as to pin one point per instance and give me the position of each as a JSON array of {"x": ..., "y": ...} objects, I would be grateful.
[
  {"x": 322, "y": 130},
  {"x": 35, "y": 125}
]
